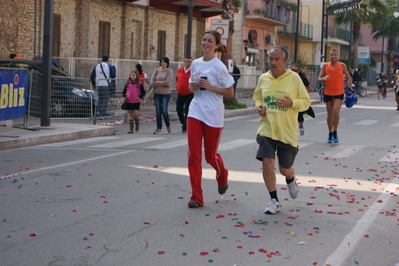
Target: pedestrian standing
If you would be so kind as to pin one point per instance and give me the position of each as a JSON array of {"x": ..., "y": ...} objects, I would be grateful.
[
  {"x": 396, "y": 89},
  {"x": 332, "y": 73},
  {"x": 161, "y": 81},
  {"x": 184, "y": 95},
  {"x": 382, "y": 83},
  {"x": 143, "y": 76},
  {"x": 133, "y": 92},
  {"x": 279, "y": 96},
  {"x": 297, "y": 69},
  {"x": 236, "y": 75},
  {"x": 100, "y": 77},
  {"x": 209, "y": 81}
]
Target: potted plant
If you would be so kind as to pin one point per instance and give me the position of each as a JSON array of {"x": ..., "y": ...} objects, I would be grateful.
[
  {"x": 257, "y": 11},
  {"x": 238, "y": 3}
]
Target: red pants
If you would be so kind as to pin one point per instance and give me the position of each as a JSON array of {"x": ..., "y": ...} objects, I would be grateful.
[{"x": 196, "y": 130}]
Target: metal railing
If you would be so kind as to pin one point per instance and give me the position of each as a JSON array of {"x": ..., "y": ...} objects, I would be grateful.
[{"x": 71, "y": 97}]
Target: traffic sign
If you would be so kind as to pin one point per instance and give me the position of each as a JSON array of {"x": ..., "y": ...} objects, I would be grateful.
[{"x": 222, "y": 26}]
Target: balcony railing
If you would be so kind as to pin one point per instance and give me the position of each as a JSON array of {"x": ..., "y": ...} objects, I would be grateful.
[
  {"x": 305, "y": 30},
  {"x": 267, "y": 11}
]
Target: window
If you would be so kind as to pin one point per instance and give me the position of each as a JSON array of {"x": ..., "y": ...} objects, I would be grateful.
[
  {"x": 104, "y": 38},
  {"x": 161, "y": 44},
  {"x": 56, "y": 35}
]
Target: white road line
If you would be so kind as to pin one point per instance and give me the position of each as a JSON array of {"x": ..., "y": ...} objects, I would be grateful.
[
  {"x": 78, "y": 141},
  {"x": 303, "y": 144},
  {"x": 66, "y": 164},
  {"x": 124, "y": 143},
  {"x": 395, "y": 124},
  {"x": 391, "y": 156},
  {"x": 362, "y": 227},
  {"x": 169, "y": 145},
  {"x": 233, "y": 118},
  {"x": 343, "y": 151},
  {"x": 366, "y": 122},
  {"x": 324, "y": 121},
  {"x": 235, "y": 144}
]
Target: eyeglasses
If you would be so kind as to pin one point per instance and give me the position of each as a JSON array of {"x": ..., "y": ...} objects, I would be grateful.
[
  {"x": 295, "y": 70},
  {"x": 188, "y": 61}
]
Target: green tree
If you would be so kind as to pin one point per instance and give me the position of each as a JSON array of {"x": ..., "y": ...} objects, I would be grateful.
[
  {"x": 385, "y": 25},
  {"x": 364, "y": 15}
]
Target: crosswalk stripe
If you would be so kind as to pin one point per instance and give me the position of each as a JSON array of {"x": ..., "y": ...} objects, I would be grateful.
[
  {"x": 169, "y": 145},
  {"x": 391, "y": 156},
  {"x": 233, "y": 118},
  {"x": 235, "y": 144},
  {"x": 395, "y": 124},
  {"x": 366, "y": 122},
  {"x": 78, "y": 141},
  {"x": 124, "y": 143},
  {"x": 303, "y": 144},
  {"x": 343, "y": 151}
]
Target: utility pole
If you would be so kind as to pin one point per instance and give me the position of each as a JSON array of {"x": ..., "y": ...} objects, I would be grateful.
[
  {"x": 297, "y": 32},
  {"x": 47, "y": 55}
]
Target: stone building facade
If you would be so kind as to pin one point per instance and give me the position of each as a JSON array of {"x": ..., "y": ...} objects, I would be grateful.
[{"x": 134, "y": 30}]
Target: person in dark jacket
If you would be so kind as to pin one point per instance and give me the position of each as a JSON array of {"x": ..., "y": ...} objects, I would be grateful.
[{"x": 236, "y": 75}]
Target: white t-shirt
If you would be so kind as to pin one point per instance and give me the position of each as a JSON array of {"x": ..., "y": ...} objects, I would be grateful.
[{"x": 207, "y": 106}]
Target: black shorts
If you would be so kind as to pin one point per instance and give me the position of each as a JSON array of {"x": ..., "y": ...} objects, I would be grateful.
[
  {"x": 268, "y": 147},
  {"x": 133, "y": 106},
  {"x": 329, "y": 98}
]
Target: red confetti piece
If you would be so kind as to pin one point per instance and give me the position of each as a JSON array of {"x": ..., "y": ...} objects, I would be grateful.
[
  {"x": 68, "y": 185},
  {"x": 102, "y": 197},
  {"x": 239, "y": 247},
  {"x": 251, "y": 253},
  {"x": 146, "y": 222},
  {"x": 366, "y": 236},
  {"x": 161, "y": 252},
  {"x": 74, "y": 210},
  {"x": 33, "y": 234},
  {"x": 203, "y": 253}
]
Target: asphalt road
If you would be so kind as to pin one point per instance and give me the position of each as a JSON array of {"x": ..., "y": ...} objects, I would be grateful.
[{"x": 122, "y": 199}]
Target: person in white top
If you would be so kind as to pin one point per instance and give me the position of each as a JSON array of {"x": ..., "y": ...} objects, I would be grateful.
[
  {"x": 100, "y": 77},
  {"x": 209, "y": 81}
]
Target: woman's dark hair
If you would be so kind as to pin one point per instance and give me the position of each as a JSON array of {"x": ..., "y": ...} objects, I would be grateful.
[
  {"x": 165, "y": 59},
  {"x": 299, "y": 68},
  {"x": 216, "y": 34},
  {"x": 139, "y": 68}
]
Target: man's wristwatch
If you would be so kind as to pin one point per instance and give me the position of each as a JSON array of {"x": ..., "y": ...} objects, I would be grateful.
[{"x": 291, "y": 105}]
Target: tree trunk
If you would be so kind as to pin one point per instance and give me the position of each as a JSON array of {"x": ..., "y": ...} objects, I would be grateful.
[
  {"x": 356, "y": 35},
  {"x": 391, "y": 53},
  {"x": 228, "y": 13}
]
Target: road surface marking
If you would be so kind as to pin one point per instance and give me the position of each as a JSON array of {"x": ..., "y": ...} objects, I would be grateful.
[
  {"x": 366, "y": 122},
  {"x": 395, "y": 124},
  {"x": 235, "y": 144},
  {"x": 391, "y": 156},
  {"x": 362, "y": 227},
  {"x": 169, "y": 145},
  {"x": 343, "y": 151},
  {"x": 124, "y": 143},
  {"x": 78, "y": 141},
  {"x": 303, "y": 144}
]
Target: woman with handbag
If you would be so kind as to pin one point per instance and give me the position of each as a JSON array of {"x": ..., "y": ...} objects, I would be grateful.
[
  {"x": 133, "y": 92},
  {"x": 161, "y": 81}
]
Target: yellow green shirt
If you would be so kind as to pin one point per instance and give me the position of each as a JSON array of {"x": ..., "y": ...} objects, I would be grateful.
[{"x": 280, "y": 123}]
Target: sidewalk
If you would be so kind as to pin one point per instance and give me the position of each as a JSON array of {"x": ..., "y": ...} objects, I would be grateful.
[{"x": 69, "y": 129}]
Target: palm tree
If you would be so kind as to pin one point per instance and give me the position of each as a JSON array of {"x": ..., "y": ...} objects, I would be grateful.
[
  {"x": 363, "y": 15},
  {"x": 228, "y": 7},
  {"x": 385, "y": 25}
]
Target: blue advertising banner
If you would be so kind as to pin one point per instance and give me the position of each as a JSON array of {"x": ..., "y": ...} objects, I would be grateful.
[{"x": 13, "y": 93}]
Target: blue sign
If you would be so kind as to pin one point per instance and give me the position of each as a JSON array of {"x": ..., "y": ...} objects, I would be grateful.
[{"x": 13, "y": 93}]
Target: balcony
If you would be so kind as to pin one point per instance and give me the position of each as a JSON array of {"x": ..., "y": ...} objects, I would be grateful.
[
  {"x": 305, "y": 31},
  {"x": 202, "y": 8},
  {"x": 341, "y": 35},
  {"x": 271, "y": 12}
]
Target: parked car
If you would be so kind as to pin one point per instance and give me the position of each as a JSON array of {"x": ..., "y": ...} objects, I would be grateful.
[{"x": 70, "y": 97}]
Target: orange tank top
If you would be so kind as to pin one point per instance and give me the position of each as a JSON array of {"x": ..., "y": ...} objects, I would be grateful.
[{"x": 335, "y": 84}]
